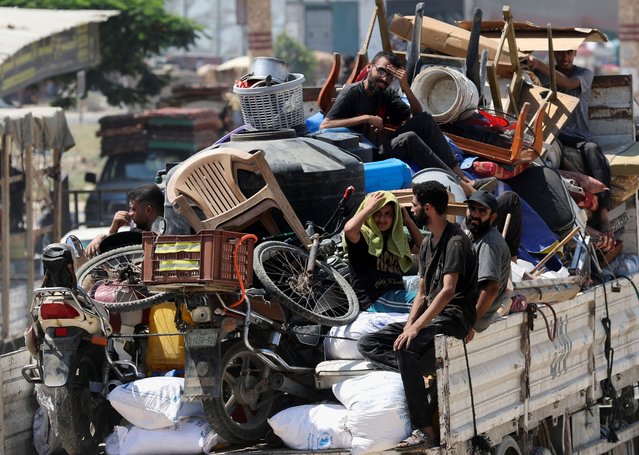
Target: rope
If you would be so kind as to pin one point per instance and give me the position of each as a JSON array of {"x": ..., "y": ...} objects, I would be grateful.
[
  {"x": 478, "y": 443},
  {"x": 236, "y": 267},
  {"x": 532, "y": 309},
  {"x": 614, "y": 420}
]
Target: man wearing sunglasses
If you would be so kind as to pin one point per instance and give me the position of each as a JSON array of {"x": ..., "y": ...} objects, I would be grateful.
[{"x": 398, "y": 130}]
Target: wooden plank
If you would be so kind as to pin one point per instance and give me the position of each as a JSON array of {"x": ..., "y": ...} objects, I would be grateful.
[
  {"x": 557, "y": 110},
  {"x": 405, "y": 198}
]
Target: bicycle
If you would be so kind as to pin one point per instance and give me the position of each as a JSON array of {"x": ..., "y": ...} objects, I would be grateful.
[
  {"x": 300, "y": 280},
  {"x": 113, "y": 278}
]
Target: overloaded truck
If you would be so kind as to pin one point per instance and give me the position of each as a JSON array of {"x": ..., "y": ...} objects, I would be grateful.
[{"x": 560, "y": 376}]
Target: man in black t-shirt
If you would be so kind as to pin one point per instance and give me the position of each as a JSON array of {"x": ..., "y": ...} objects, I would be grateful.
[
  {"x": 445, "y": 304},
  {"x": 401, "y": 131}
]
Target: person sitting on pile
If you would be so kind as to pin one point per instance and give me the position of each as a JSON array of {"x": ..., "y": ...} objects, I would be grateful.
[
  {"x": 146, "y": 203},
  {"x": 493, "y": 257},
  {"x": 371, "y": 107},
  {"x": 580, "y": 153},
  {"x": 379, "y": 254}
]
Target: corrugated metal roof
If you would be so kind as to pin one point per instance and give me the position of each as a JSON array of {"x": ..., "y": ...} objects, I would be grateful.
[{"x": 20, "y": 27}]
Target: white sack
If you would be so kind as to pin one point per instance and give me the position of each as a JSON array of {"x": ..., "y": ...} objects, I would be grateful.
[
  {"x": 154, "y": 402},
  {"x": 189, "y": 436},
  {"x": 339, "y": 349},
  {"x": 313, "y": 427},
  {"x": 377, "y": 415}
]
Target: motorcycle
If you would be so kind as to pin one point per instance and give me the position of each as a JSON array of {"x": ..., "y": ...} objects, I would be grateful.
[
  {"x": 251, "y": 353},
  {"x": 81, "y": 350}
]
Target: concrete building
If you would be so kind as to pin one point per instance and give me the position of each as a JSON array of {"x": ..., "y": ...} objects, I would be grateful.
[{"x": 341, "y": 25}]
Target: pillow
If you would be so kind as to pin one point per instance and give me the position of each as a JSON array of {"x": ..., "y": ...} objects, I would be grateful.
[
  {"x": 588, "y": 184},
  {"x": 490, "y": 169}
]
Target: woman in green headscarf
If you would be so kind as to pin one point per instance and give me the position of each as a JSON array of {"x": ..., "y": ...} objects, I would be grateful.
[{"x": 379, "y": 254}]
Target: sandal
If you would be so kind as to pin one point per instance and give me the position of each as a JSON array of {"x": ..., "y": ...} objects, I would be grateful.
[{"x": 417, "y": 440}]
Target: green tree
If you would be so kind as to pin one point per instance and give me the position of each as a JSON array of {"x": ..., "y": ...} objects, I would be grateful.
[
  {"x": 141, "y": 30},
  {"x": 300, "y": 59}
]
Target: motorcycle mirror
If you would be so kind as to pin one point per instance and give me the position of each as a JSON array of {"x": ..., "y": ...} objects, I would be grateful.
[
  {"x": 76, "y": 245},
  {"x": 159, "y": 226}
]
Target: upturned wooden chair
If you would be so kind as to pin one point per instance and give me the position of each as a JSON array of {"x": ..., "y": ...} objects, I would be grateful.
[{"x": 208, "y": 180}]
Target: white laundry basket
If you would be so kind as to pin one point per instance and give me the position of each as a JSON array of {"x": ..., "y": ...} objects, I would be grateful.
[{"x": 275, "y": 107}]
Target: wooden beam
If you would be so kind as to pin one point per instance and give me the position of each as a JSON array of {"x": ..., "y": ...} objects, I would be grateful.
[{"x": 6, "y": 242}]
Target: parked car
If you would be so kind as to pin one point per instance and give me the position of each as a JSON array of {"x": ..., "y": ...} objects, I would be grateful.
[
  {"x": 122, "y": 173},
  {"x": 85, "y": 234}
]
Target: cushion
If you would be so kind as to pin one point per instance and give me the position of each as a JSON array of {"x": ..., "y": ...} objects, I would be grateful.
[
  {"x": 589, "y": 184},
  {"x": 490, "y": 169}
]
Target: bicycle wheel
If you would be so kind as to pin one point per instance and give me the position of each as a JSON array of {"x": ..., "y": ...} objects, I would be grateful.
[
  {"x": 121, "y": 270},
  {"x": 324, "y": 297}
]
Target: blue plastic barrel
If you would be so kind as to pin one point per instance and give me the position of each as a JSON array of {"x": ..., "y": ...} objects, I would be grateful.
[{"x": 390, "y": 174}]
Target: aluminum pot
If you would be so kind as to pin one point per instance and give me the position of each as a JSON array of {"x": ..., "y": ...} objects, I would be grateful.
[{"x": 268, "y": 66}]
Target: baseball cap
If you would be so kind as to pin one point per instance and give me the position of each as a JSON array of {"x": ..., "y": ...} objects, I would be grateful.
[{"x": 484, "y": 198}]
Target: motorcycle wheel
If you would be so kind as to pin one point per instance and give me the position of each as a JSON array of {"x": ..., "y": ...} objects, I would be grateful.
[
  {"x": 239, "y": 414},
  {"x": 110, "y": 267},
  {"x": 83, "y": 418},
  {"x": 324, "y": 297}
]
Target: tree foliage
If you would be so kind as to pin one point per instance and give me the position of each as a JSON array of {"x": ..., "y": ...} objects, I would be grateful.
[
  {"x": 141, "y": 30},
  {"x": 299, "y": 58}
]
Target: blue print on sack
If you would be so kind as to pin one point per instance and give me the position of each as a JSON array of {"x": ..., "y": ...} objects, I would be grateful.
[
  {"x": 324, "y": 441},
  {"x": 403, "y": 415}
]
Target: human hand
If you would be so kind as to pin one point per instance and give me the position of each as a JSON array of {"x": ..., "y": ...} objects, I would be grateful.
[
  {"x": 120, "y": 219},
  {"x": 405, "y": 215},
  {"x": 376, "y": 122},
  {"x": 398, "y": 73},
  {"x": 93, "y": 248},
  {"x": 404, "y": 338},
  {"x": 470, "y": 336},
  {"x": 374, "y": 201}
]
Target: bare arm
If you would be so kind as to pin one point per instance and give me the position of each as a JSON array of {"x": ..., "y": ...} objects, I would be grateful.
[
  {"x": 121, "y": 218},
  {"x": 352, "y": 228},
  {"x": 402, "y": 77},
  {"x": 564, "y": 82},
  {"x": 353, "y": 121},
  {"x": 413, "y": 230},
  {"x": 488, "y": 291},
  {"x": 442, "y": 299},
  {"x": 419, "y": 301}
]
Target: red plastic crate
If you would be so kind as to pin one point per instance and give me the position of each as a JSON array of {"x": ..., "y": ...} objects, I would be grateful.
[{"x": 204, "y": 258}]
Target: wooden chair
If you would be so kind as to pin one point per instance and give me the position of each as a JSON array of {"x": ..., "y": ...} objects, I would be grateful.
[{"x": 209, "y": 181}]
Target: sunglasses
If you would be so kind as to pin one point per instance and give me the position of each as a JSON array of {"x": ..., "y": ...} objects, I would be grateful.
[{"x": 384, "y": 73}]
